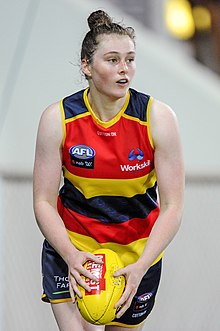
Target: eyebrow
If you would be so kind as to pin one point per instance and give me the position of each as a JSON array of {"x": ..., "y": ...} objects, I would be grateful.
[{"x": 115, "y": 52}]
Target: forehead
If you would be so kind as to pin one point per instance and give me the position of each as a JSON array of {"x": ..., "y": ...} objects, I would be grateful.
[{"x": 115, "y": 43}]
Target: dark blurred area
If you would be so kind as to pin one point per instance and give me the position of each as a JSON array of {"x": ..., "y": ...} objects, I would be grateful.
[
  {"x": 206, "y": 44},
  {"x": 193, "y": 23}
]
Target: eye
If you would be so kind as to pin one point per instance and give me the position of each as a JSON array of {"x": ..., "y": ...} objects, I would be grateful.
[
  {"x": 130, "y": 60},
  {"x": 113, "y": 60}
]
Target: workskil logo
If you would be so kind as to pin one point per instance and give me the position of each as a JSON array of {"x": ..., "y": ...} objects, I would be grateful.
[
  {"x": 82, "y": 156},
  {"x": 138, "y": 155},
  {"x": 132, "y": 155},
  {"x": 136, "y": 167}
]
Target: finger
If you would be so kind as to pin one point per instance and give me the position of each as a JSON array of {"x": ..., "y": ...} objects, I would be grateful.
[
  {"x": 94, "y": 258},
  {"x": 79, "y": 280},
  {"x": 127, "y": 296},
  {"x": 122, "y": 310},
  {"x": 76, "y": 291},
  {"x": 124, "y": 307},
  {"x": 87, "y": 274},
  {"x": 123, "y": 299},
  {"x": 73, "y": 288},
  {"x": 72, "y": 293}
]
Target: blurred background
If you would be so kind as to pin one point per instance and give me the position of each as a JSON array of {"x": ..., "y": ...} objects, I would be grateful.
[
  {"x": 194, "y": 24},
  {"x": 178, "y": 62}
]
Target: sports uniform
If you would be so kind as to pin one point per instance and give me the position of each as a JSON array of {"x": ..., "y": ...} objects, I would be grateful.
[{"x": 109, "y": 197}]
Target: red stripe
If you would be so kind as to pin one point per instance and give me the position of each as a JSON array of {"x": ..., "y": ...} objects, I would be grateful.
[
  {"x": 122, "y": 233},
  {"x": 138, "y": 136}
]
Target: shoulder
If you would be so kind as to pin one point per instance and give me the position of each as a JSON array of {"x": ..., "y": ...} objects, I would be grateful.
[
  {"x": 50, "y": 125},
  {"x": 52, "y": 112},
  {"x": 161, "y": 109},
  {"x": 164, "y": 123}
]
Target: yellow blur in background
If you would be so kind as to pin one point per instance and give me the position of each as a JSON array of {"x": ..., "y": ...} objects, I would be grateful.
[{"x": 182, "y": 20}]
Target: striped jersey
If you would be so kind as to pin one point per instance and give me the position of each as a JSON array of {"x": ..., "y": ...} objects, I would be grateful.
[{"x": 109, "y": 195}]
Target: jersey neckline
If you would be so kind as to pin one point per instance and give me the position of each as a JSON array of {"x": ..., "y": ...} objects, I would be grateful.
[{"x": 115, "y": 119}]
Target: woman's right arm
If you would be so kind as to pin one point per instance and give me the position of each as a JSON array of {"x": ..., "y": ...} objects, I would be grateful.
[{"x": 46, "y": 182}]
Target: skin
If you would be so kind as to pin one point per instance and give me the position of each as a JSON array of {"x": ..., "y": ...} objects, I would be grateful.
[
  {"x": 109, "y": 75},
  {"x": 113, "y": 62}
]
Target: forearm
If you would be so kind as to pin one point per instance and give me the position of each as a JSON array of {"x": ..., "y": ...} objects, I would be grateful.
[
  {"x": 163, "y": 231},
  {"x": 53, "y": 229}
]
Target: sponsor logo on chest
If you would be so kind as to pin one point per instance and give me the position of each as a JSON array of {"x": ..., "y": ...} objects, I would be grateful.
[
  {"x": 82, "y": 156},
  {"x": 135, "y": 155}
]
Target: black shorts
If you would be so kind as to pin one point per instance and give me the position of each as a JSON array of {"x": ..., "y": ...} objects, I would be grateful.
[{"x": 56, "y": 287}]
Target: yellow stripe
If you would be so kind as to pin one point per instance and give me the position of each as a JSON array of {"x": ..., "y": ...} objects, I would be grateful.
[
  {"x": 132, "y": 118},
  {"x": 125, "y": 325},
  {"x": 149, "y": 122},
  {"x": 45, "y": 298},
  {"x": 60, "y": 300},
  {"x": 91, "y": 187},
  {"x": 114, "y": 119},
  {"x": 71, "y": 119},
  {"x": 128, "y": 253},
  {"x": 63, "y": 121}
]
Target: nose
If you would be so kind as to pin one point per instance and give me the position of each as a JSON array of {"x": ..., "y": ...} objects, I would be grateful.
[{"x": 123, "y": 67}]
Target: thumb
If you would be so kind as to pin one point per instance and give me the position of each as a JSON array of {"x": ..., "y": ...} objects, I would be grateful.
[{"x": 119, "y": 272}]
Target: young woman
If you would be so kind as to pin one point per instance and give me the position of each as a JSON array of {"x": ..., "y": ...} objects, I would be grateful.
[{"x": 117, "y": 148}]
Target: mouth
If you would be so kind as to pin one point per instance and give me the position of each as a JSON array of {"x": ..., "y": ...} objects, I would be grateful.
[{"x": 123, "y": 81}]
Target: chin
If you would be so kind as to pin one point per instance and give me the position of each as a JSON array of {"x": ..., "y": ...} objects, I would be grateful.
[{"x": 120, "y": 93}]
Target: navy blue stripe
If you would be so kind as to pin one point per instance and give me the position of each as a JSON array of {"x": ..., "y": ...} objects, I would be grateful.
[
  {"x": 137, "y": 106},
  {"x": 109, "y": 209},
  {"x": 74, "y": 105}
]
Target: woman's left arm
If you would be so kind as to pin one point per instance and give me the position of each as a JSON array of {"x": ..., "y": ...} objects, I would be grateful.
[
  {"x": 170, "y": 174},
  {"x": 169, "y": 168}
]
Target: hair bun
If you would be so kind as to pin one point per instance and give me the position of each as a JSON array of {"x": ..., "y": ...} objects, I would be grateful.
[{"x": 97, "y": 18}]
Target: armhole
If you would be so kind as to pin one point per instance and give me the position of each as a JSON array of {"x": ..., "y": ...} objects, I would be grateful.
[
  {"x": 149, "y": 107},
  {"x": 63, "y": 121}
]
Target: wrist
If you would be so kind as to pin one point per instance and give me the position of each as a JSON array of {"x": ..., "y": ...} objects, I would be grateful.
[
  {"x": 66, "y": 250},
  {"x": 141, "y": 266}
]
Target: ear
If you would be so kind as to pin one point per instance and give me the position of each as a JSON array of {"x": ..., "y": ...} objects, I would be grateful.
[{"x": 85, "y": 67}]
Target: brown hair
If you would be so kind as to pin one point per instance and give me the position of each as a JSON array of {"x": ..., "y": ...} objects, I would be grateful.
[{"x": 101, "y": 23}]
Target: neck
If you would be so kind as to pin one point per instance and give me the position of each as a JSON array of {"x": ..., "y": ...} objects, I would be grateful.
[{"x": 104, "y": 107}]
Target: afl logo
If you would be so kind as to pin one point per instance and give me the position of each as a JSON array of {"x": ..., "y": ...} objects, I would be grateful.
[
  {"x": 82, "y": 156},
  {"x": 145, "y": 297}
]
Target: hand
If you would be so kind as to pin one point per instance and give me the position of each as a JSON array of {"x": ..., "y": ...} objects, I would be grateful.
[
  {"x": 133, "y": 277},
  {"x": 76, "y": 270}
]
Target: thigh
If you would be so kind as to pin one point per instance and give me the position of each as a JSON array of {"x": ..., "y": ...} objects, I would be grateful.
[
  {"x": 68, "y": 318},
  {"x": 121, "y": 328},
  {"x": 55, "y": 276},
  {"x": 143, "y": 301}
]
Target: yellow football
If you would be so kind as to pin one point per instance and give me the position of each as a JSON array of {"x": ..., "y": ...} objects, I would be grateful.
[{"x": 97, "y": 306}]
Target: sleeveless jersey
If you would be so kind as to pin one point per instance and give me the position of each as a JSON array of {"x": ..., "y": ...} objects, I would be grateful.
[{"x": 109, "y": 195}]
